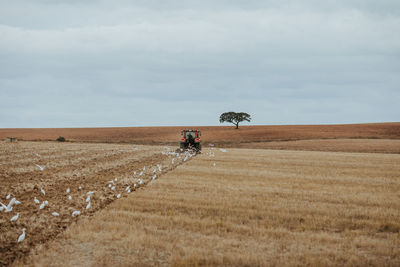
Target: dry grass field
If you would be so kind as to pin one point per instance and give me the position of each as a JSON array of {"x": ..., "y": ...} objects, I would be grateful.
[
  {"x": 220, "y": 135},
  {"x": 246, "y": 207},
  {"x": 78, "y": 168},
  {"x": 333, "y": 145}
]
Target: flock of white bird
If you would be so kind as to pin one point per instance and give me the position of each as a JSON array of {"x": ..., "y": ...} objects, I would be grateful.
[{"x": 110, "y": 184}]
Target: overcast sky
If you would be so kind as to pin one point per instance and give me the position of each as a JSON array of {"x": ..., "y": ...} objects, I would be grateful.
[{"x": 153, "y": 63}]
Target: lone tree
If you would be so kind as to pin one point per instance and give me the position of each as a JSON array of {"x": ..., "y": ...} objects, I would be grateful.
[{"x": 234, "y": 117}]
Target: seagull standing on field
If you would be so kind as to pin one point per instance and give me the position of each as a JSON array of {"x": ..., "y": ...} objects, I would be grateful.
[
  {"x": 36, "y": 200},
  {"x": 8, "y": 196},
  {"x": 119, "y": 195},
  {"x": 88, "y": 205},
  {"x": 55, "y": 214},
  {"x": 15, "y": 218},
  {"x": 22, "y": 236},
  {"x": 88, "y": 199},
  {"x": 43, "y": 192},
  {"x": 68, "y": 190}
]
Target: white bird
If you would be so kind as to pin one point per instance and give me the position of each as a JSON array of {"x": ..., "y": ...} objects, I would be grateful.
[
  {"x": 22, "y": 236},
  {"x": 46, "y": 202},
  {"x": 43, "y": 192},
  {"x": 154, "y": 177},
  {"x": 6, "y": 208},
  {"x": 223, "y": 150},
  {"x": 144, "y": 168},
  {"x": 88, "y": 205},
  {"x": 80, "y": 187},
  {"x": 159, "y": 168},
  {"x": 36, "y": 200},
  {"x": 141, "y": 173},
  {"x": 129, "y": 191},
  {"x": 116, "y": 179},
  {"x": 12, "y": 202},
  {"x": 17, "y": 202},
  {"x": 127, "y": 188},
  {"x": 55, "y": 214},
  {"x": 134, "y": 173},
  {"x": 42, "y": 205},
  {"x": 90, "y": 193},
  {"x": 134, "y": 185},
  {"x": 40, "y": 167},
  {"x": 112, "y": 188},
  {"x": 109, "y": 185},
  {"x": 68, "y": 190},
  {"x": 37, "y": 155},
  {"x": 15, "y": 218},
  {"x": 88, "y": 199},
  {"x": 140, "y": 181},
  {"x": 119, "y": 195},
  {"x": 76, "y": 213},
  {"x": 69, "y": 198},
  {"x": 8, "y": 196}
]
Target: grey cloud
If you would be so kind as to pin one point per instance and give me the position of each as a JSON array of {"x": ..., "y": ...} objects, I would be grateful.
[{"x": 92, "y": 63}]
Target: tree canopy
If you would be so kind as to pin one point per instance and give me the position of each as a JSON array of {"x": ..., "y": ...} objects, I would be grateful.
[{"x": 234, "y": 117}]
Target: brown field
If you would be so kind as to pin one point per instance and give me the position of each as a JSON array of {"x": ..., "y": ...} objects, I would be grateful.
[
  {"x": 333, "y": 145},
  {"x": 253, "y": 207},
  {"x": 66, "y": 165},
  {"x": 219, "y": 135}
]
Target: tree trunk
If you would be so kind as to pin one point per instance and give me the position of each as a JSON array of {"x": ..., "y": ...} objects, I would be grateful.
[{"x": 237, "y": 126}]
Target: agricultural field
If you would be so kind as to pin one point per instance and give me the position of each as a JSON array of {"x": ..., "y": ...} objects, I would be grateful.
[
  {"x": 225, "y": 136},
  {"x": 54, "y": 181},
  {"x": 246, "y": 207}
]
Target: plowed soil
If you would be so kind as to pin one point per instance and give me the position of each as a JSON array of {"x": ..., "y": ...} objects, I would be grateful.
[
  {"x": 81, "y": 168},
  {"x": 222, "y": 135}
]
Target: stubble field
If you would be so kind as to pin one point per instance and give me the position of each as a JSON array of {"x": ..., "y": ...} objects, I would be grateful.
[{"x": 246, "y": 207}]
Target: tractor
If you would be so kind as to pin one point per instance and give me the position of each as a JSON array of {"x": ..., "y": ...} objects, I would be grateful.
[{"x": 190, "y": 140}]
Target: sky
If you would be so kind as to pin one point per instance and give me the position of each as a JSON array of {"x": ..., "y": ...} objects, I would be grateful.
[{"x": 130, "y": 63}]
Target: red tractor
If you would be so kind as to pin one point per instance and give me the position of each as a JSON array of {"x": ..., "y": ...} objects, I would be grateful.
[{"x": 190, "y": 140}]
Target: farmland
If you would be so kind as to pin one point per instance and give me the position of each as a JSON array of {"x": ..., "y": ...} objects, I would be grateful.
[
  {"x": 247, "y": 207},
  {"x": 316, "y": 195},
  {"x": 223, "y": 135},
  {"x": 77, "y": 168}
]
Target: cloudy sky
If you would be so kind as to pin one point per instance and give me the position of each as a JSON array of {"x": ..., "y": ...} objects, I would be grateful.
[{"x": 167, "y": 62}]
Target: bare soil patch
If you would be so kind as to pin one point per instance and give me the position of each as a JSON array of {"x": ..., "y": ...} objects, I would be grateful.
[{"x": 219, "y": 135}]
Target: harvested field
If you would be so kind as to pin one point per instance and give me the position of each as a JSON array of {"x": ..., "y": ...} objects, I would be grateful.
[
  {"x": 247, "y": 207},
  {"x": 78, "y": 168},
  {"x": 334, "y": 145},
  {"x": 220, "y": 135}
]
